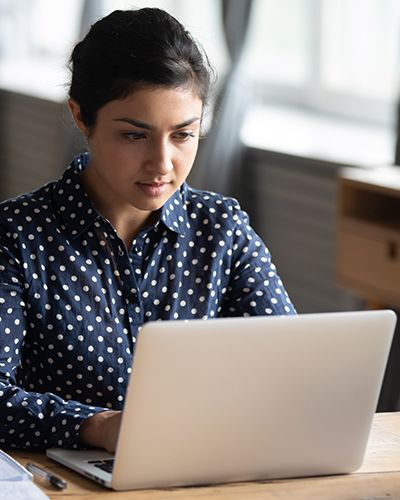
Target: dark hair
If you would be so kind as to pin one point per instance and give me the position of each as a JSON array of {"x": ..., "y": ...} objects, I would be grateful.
[{"x": 129, "y": 49}]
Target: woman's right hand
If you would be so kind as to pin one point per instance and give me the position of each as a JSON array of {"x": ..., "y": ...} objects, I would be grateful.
[{"x": 101, "y": 430}]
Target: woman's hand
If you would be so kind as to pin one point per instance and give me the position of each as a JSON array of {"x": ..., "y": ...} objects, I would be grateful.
[{"x": 101, "y": 430}]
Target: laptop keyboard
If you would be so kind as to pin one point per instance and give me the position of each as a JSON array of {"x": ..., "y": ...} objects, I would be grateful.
[{"x": 106, "y": 465}]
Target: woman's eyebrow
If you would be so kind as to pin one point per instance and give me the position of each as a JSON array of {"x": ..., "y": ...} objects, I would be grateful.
[
  {"x": 186, "y": 123},
  {"x": 147, "y": 126}
]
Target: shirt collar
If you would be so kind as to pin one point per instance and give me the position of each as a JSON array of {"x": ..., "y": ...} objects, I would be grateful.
[
  {"x": 173, "y": 212},
  {"x": 78, "y": 212},
  {"x": 71, "y": 200}
]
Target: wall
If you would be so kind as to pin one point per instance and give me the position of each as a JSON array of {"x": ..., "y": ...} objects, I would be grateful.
[{"x": 37, "y": 141}]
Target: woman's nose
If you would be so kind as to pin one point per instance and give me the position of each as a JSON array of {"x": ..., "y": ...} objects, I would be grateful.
[{"x": 160, "y": 160}]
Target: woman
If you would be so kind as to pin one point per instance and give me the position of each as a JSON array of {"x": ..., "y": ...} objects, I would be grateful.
[{"x": 119, "y": 239}]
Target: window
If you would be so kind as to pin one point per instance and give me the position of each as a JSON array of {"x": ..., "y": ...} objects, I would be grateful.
[
  {"x": 336, "y": 56},
  {"x": 339, "y": 56},
  {"x": 277, "y": 43},
  {"x": 36, "y": 60},
  {"x": 36, "y": 37}
]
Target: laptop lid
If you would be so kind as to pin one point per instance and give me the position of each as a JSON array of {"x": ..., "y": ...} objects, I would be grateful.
[
  {"x": 240, "y": 399},
  {"x": 246, "y": 398}
]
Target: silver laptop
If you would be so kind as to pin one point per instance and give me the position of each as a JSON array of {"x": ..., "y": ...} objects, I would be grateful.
[{"x": 243, "y": 399}]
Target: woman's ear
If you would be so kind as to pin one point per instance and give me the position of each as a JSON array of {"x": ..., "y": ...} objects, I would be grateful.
[{"x": 75, "y": 109}]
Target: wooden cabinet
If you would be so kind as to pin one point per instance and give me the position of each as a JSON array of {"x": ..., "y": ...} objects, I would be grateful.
[{"x": 369, "y": 233}]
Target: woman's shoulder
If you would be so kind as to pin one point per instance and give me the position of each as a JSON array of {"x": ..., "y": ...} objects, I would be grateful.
[
  {"x": 202, "y": 198},
  {"x": 213, "y": 205},
  {"x": 26, "y": 206}
]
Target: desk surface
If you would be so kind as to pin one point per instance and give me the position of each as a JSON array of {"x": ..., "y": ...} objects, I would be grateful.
[{"x": 378, "y": 479}]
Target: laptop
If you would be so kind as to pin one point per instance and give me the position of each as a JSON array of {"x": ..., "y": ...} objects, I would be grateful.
[{"x": 243, "y": 399}]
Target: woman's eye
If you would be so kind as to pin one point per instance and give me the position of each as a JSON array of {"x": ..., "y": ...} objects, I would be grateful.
[
  {"x": 134, "y": 136},
  {"x": 184, "y": 136}
]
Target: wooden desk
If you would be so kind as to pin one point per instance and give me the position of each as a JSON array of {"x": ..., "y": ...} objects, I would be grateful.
[{"x": 378, "y": 479}]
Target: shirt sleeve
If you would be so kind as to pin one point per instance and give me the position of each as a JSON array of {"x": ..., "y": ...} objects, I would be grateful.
[
  {"x": 255, "y": 288},
  {"x": 28, "y": 419}
]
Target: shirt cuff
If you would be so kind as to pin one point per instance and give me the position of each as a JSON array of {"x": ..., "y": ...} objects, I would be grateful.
[{"x": 65, "y": 429}]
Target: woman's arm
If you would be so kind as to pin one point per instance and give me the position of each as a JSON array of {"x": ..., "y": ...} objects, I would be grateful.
[
  {"x": 255, "y": 289},
  {"x": 28, "y": 419}
]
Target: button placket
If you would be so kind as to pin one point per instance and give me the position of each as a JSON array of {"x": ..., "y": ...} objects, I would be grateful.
[{"x": 131, "y": 296}]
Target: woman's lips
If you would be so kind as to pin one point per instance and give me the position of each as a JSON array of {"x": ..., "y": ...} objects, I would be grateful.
[{"x": 153, "y": 188}]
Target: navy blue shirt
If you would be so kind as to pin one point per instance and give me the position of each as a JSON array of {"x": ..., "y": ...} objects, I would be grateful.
[{"x": 73, "y": 297}]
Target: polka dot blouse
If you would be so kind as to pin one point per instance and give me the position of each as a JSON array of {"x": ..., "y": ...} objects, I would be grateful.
[{"x": 73, "y": 297}]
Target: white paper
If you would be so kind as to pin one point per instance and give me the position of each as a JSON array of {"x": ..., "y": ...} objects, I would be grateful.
[
  {"x": 16, "y": 482},
  {"x": 21, "y": 490},
  {"x": 11, "y": 470}
]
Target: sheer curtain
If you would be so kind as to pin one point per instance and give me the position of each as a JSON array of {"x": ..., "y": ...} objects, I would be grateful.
[
  {"x": 218, "y": 164},
  {"x": 92, "y": 11}
]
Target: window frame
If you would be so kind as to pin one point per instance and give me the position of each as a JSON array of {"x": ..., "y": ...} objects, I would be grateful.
[{"x": 313, "y": 96}]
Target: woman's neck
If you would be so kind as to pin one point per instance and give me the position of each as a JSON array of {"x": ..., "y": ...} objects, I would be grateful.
[
  {"x": 127, "y": 220},
  {"x": 129, "y": 227}
]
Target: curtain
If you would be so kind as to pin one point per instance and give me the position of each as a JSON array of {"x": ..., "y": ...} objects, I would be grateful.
[
  {"x": 397, "y": 150},
  {"x": 218, "y": 165},
  {"x": 92, "y": 10}
]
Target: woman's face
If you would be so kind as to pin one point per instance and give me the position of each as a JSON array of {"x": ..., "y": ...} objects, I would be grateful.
[{"x": 142, "y": 147}]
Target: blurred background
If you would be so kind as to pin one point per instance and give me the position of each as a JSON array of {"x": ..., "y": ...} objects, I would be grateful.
[{"x": 305, "y": 88}]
